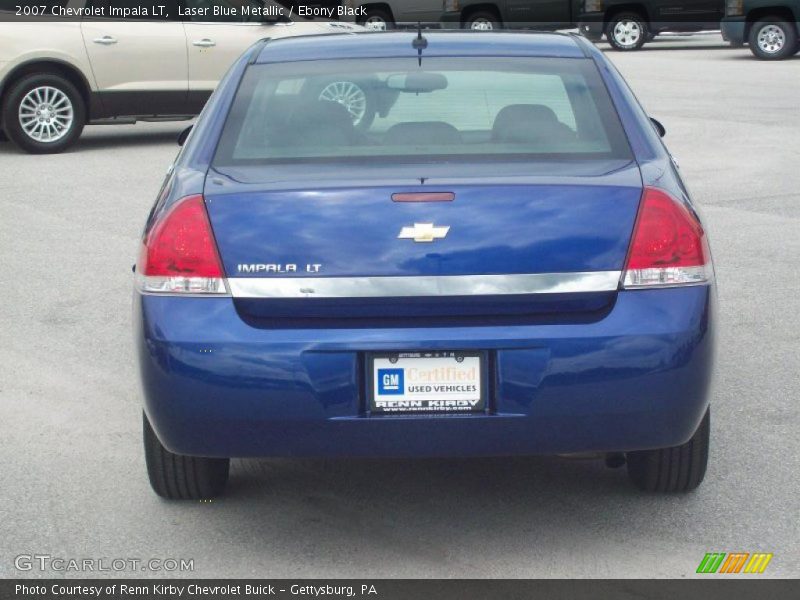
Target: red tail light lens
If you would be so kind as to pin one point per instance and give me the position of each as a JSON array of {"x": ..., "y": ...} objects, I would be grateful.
[
  {"x": 179, "y": 254},
  {"x": 669, "y": 245}
]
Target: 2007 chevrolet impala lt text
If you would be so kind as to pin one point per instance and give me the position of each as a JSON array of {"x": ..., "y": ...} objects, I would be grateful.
[{"x": 505, "y": 261}]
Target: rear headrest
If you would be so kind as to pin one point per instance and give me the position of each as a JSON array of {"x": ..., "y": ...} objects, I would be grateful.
[
  {"x": 527, "y": 123},
  {"x": 320, "y": 123},
  {"x": 326, "y": 111},
  {"x": 423, "y": 133}
]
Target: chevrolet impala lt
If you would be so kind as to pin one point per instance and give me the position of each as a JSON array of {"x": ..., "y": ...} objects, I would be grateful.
[{"x": 504, "y": 262}]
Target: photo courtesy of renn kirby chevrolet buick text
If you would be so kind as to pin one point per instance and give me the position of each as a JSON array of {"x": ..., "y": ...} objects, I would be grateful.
[{"x": 499, "y": 259}]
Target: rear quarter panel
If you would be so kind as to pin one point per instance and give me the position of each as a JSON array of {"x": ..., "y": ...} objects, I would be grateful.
[{"x": 29, "y": 42}]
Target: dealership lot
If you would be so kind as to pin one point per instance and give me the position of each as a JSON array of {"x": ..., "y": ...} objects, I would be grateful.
[{"x": 74, "y": 484}]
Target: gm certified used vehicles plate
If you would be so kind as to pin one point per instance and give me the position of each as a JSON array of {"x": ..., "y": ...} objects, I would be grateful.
[
  {"x": 504, "y": 262},
  {"x": 427, "y": 382}
]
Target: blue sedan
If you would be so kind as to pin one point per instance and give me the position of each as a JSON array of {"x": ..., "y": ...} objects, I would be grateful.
[{"x": 504, "y": 261}]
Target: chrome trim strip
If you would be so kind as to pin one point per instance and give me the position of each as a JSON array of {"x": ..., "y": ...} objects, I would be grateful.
[
  {"x": 443, "y": 285},
  {"x": 212, "y": 287}
]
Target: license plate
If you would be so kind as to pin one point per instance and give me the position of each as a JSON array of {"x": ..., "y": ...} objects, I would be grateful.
[{"x": 427, "y": 382}]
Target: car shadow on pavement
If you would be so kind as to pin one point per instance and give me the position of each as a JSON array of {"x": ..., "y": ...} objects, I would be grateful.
[
  {"x": 376, "y": 478},
  {"x": 429, "y": 507},
  {"x": 748, "y": 56},
  {"x": 671, "y": 43},
  {"x": 113, "y": 137},
  {"x": 94, "y": 140}
]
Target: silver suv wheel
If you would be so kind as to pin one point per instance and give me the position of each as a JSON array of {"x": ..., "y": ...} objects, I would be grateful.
[
  {"x": 482, "y": 24},
  {"x": 45, "y": 114},
  {"x": 375, "y": 23},
  {"x": 627, "y": 33},
  {"x": 771, "y": 39}
]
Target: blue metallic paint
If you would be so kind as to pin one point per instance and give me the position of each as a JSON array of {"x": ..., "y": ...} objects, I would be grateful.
[
  {"x": 494, "y": 228},
  {"x": 216, "y": 386},
  {"x": 220, "y": 382}
]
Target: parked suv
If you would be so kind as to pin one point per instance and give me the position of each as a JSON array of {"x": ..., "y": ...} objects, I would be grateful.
[
  {"x": 770, "y": 27},
  {"x": 387, "y": 14},
  {"x": 57, "y": 74},
  {"x": 627, "y": 24}
]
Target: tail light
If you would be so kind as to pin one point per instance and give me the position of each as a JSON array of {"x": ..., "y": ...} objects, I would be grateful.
[
  {"x": 669, "y": 246},
  {"x": 179, "y": 255}
]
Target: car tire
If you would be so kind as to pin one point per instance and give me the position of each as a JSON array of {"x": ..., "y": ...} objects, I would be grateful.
[
  {"x": 677, "y": 469},
  {"x": 627, "y": 31},
  {"x": 377, "y": 19},
  {"x": 772, "y": 39},
  {"x": 43, "y": 113},
  {"x": 482, "y": 20},
  {"x": 179, "y": 477},
  {"x": 354, "y": 97}
]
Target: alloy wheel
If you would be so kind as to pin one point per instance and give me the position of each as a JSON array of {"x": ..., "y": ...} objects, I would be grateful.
[
  {"x": 481, "y": 24},
  {"x": 627, "y": 33},
  {"x": 771, "y": 39},
  {"x": 376, "y": 23},
  {"x": 46, "y": 114},
  {"x": 348, "y": 94}
]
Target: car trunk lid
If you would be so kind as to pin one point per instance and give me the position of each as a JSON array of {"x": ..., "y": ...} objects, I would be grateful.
[{"x": 337, "y": 247}]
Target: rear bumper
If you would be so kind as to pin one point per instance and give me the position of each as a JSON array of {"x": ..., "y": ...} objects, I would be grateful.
[
  {"x": 215, "y": 386},
  {"x": 733, "y": 30}
]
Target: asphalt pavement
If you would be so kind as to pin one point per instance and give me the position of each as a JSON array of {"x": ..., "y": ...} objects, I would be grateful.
[{"x": 72, "y": 475}]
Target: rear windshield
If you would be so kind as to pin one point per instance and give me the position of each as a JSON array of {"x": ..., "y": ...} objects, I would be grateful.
[{"x": 448, "y": 109}]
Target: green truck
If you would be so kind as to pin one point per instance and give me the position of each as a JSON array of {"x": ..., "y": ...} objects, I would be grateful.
[
  {"x": 769, "y": 27},
  {"x": 627, "y": 24}
]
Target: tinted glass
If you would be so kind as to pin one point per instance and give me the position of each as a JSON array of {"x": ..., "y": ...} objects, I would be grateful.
[{"x": 392, "y": 109}]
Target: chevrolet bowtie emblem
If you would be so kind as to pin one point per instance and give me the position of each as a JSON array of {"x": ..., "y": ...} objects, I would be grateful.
[{"x": 423, "y": 232}]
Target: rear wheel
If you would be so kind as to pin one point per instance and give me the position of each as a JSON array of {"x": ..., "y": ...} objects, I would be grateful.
[
  {"x": 377, "y": 19},
  {"x": 773, "y": 39},
  {"x": 179, "y": 477},
  {"x": 482, "y": 20},
  {"x": 677, "y": 469},
  {"x": 627, "y": 31},
  {"x": 43, "y": 113}
]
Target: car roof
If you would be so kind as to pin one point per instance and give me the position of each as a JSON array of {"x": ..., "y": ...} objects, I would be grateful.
[{"x": 399, "y": 44}]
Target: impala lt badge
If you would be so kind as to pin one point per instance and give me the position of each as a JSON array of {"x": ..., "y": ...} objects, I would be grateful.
[
  {"x": 423, "y": 232},
  {"x": 277, "y": 268}
]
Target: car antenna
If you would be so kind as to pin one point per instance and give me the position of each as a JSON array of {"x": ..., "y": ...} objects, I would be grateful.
[{"x": 419, "y": 43}]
